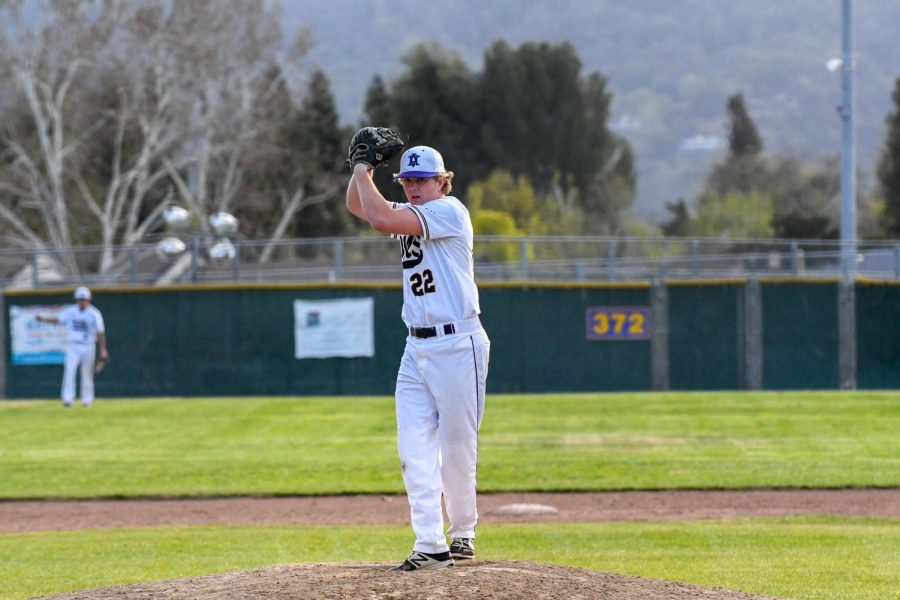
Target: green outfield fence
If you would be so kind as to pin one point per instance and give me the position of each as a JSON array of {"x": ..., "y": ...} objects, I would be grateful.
[{"x": 238, "y": 339}]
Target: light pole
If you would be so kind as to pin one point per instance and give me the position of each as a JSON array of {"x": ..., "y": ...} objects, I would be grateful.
[
  {"x": 848, "y": 148},
  {"x": 847, "y": 288}
]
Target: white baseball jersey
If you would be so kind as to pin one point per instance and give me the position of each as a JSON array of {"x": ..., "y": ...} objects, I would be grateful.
[
  {"x": 82, "y": 325},
  {"x": 438, "y": 266}
]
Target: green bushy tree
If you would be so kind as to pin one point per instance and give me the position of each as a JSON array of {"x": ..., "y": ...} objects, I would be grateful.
[
  {"x": 735, "y": 216},
  {"x": 495, "y": 222},
  {"x": 532, "y": 213}
]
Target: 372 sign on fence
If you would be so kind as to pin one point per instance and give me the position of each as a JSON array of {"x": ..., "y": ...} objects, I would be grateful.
[{"x": 618, "y": 323}]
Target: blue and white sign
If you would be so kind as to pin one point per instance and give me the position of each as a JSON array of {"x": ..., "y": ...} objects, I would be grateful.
[{"x": 35, "y": 343}]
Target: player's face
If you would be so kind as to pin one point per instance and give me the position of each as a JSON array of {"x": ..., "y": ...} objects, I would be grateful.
[{"x": 419, "y": 190}]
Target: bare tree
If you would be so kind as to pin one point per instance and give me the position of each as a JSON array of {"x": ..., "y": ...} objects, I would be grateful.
[
  {"x": 122, "y": 105},
  {"x": 41, "y": 64}
]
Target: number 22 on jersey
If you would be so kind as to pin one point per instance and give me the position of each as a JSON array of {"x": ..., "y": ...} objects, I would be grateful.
[{"x": 422, "y": 283}]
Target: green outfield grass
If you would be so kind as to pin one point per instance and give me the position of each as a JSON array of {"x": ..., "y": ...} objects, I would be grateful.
[
  {"x": 240, "y": 446},
  {"x": 794, "y": 558}
]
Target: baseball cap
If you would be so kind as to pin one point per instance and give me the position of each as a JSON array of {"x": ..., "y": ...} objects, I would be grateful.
[
  {"x": 82, "y": 293},
  {"x": 420, "y": 161}
]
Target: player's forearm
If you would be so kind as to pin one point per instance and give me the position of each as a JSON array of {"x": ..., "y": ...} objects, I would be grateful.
[
  {"x": 101, "y": 341},
  {"x": 375, "y": 208},
  {"x": 353, "y": 204}
]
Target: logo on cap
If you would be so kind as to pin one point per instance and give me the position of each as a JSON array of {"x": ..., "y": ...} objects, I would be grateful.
[{"x": 413, "y": 160}]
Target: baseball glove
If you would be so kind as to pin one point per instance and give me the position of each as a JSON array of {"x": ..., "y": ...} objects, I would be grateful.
[
  {"x": 374, "y": 146},
  {"x": 100, "y": 364}
]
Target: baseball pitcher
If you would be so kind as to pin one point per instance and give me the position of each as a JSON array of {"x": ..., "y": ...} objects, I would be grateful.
[{"x": 441, "y": 381}]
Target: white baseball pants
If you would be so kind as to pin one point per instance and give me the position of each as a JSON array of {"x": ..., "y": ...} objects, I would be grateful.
[
  {"x": 82, "y": 355},
  {"x": 440, "y": 403}
]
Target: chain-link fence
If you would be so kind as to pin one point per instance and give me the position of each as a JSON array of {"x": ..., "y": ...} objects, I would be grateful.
[{"x": 497, "y": 258}]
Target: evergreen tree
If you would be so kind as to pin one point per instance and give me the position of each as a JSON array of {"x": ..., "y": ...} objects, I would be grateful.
[
  {"x": 529, "y": 112},
  {"x": 324, "y": 152},
  {"x": 889, "y": 166},
  {"x": 377, "y": 111},
  {"x": 744, "y": 169},
  {"x": 377, "y": 108},
  {"x": 679, "y": 223},
  {"x": 435, "y": 103},
  {"x": 805, "y": 198},
  {"x": 534, "y": 115},
  {"x": 802, "y": 197},
  {"x": 544, "y": 120},
  {"x": 744, "y": 140}
]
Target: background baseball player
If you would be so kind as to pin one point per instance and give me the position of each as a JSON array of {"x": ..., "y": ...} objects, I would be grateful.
[
  {"x": 85, "y": 330},
  {"x": 441, "y": 381}
]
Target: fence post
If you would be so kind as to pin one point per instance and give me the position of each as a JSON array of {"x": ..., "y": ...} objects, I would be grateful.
[
  {"x": 611, "y": 260},
  {"x": 3, "y": 344},
  {"x": 35, "y": 278},
  {"x": 523, "y": 258},
  {"x": 753, "y": 351},
  {"x": 795, "y": 258},
  {"x": 659, "y": 342},
  {"x": 695, "y": 257},
  {"x": 132, "y": 265},
  {"x": 847, "y": 334},
  {"x": 896, "y": 261},
  {"x": 338, "y": 258},
  {"x": 235, "y": 273},
  {"x": 664, "y": 267},
  {"x": 195, "y": 257}
]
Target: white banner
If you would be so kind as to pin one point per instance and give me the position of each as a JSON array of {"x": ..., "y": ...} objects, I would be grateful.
[
  {"x": 329, "y": 328},
  {"x": 36, "y": 343}
]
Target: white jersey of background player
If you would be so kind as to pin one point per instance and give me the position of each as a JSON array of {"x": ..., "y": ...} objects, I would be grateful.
[
  {"x": 84, "y": 328},
  {"x": 441, "y": 381}
]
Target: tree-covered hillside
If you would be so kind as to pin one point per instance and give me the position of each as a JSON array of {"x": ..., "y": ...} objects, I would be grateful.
[{"x": 671, "y": 67}]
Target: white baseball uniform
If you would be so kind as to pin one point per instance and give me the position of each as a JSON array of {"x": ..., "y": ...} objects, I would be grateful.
[
  {"x": 441, "y": 381},
  {"x": 82, "y": 327}
]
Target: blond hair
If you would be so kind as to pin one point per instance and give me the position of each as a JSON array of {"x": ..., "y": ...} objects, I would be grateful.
[{"x": 448, "y": 183}]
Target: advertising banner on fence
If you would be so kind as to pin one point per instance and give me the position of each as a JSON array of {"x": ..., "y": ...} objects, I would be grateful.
[
  {"x": 36, "y": 343},
  {"x": 334, "y": 328}
]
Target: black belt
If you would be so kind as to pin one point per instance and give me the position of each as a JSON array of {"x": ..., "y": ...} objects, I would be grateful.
[{"x": 430, "y": 332}]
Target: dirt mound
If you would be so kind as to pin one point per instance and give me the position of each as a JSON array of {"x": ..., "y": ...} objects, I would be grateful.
[{"x": 494, "y": 580}]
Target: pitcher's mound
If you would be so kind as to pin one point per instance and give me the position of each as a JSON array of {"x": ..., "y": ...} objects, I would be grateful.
[{"x": 493, "y": 580}]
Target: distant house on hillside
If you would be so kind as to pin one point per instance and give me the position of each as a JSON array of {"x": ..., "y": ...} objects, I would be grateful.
[{"x": 702, "y": 143}]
